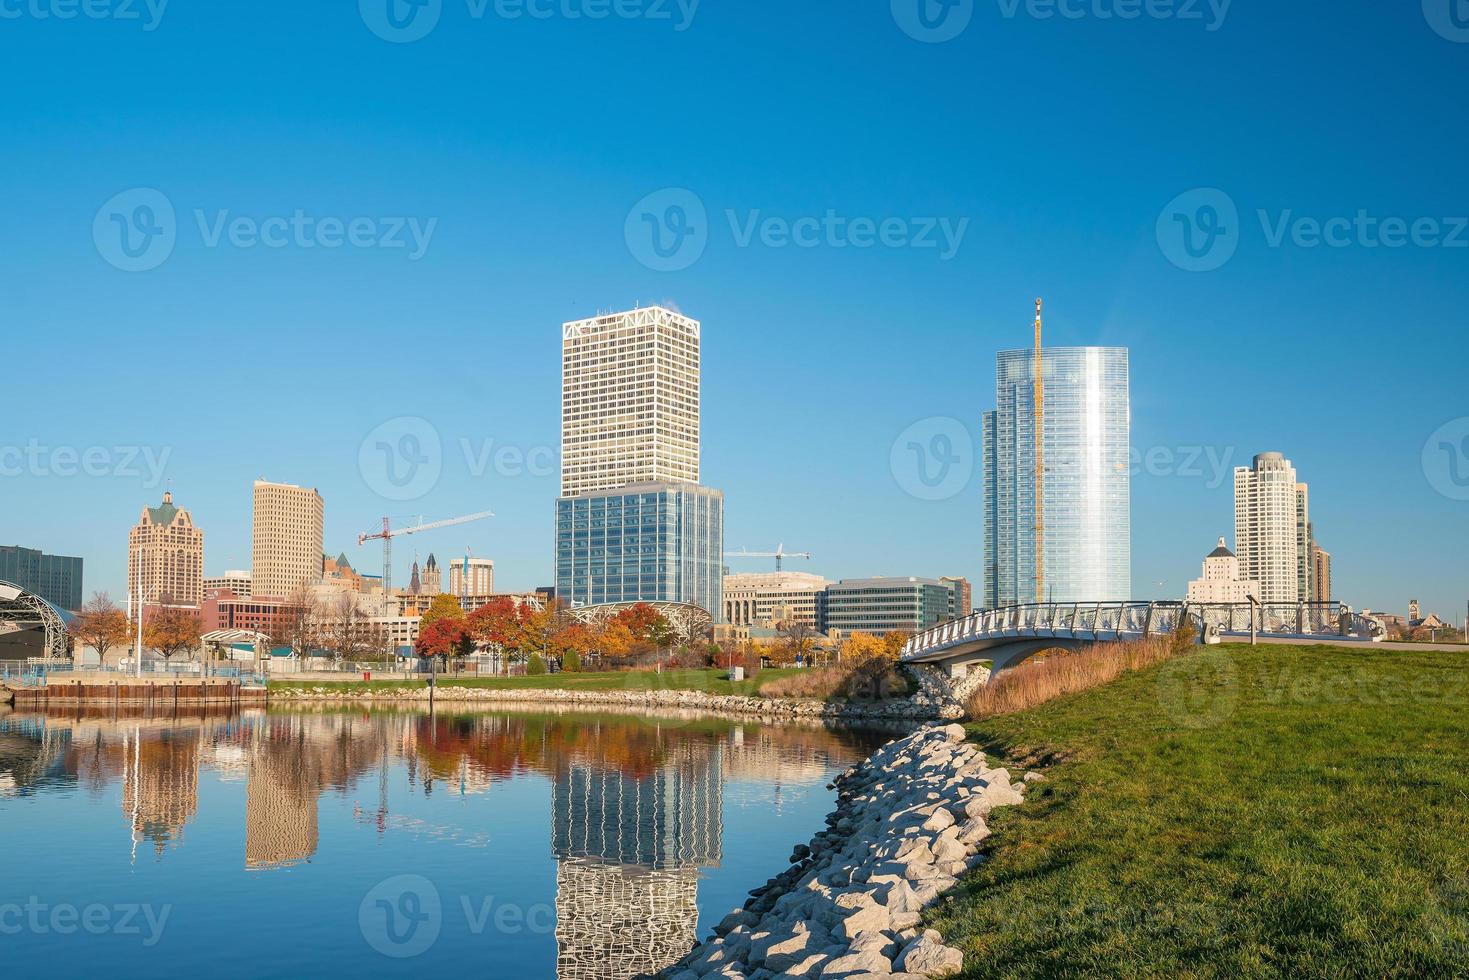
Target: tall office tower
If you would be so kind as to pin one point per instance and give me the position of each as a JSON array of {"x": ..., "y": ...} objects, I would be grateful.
[
  {"x": 1305, "y": 543},
  {"x": 1320, "y": 573},
  {"x": 1268, "y": 531},
  {"x": 629, "y": 400},
  {"x": 166, "y": 556},
  {"x": 632, "y": 523},
  {"x": 286, "y": 539},
  {"x": 55, "y": 578},
  {"x": 479, "y": 580},
  {"x": 1084, "y": 478}
]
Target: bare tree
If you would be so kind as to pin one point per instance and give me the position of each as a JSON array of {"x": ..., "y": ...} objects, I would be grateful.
[{"x": 297, "y": 625}]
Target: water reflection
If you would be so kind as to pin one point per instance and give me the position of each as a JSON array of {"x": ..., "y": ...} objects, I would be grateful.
[{"x": 637, "y": 806}]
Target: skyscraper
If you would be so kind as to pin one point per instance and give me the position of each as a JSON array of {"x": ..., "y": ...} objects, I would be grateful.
[
  {"x": 1270, "y": 528},
  {"x": 1085, "y": 483},
  {"x": 629, "y": 400},
  {"x": 632, "y": 523},
  {"x": 1320, "y": 573},
  {"x": 286, "y": 538},
  {"x": 166, "y": 556}
]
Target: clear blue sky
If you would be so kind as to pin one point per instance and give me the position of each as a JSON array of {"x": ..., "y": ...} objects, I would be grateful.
[{"x": 530, "y": 141}]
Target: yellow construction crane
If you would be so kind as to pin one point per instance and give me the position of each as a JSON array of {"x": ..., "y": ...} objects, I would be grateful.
[{"x": 1039, "y": 398}]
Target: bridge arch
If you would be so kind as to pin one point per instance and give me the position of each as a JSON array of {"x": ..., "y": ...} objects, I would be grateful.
[{"x": 21, "y": 610}]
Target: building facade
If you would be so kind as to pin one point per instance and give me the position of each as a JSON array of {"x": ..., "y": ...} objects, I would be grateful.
[
  {"x": 1271, "y": 528},
  {"x": 654, "y": 542},
  {"x": 286, "y": 539},
  {"x": 963, "y": 594},
  {"x": 629, "y": 400},
  {"x": 472, "y": 576},
  {"x": 882, "y": 605},
  {"x": 770, "y": 598},
  {"x": 433, "y": 577},
  {"x": 1085, "y": 489},
  {"x": 55, "y": 578},
  {"x": 1320, "y": 573},
  {"x": 1221, "y": 580},
  {"x": 166, "y": 557},
  {"x": 235, "y": 581}
]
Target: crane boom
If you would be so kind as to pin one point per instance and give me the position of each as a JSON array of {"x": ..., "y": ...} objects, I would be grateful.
[
  {"x": 779, "y": 554},
  {"x": 1039, "y": 397},
  {"x": 388, "y": 533}
]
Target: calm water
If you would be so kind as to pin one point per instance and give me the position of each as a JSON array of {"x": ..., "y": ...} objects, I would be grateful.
[{"x": 369, "y": 844}]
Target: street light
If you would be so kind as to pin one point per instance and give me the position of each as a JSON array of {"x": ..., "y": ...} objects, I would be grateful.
[{"x": 1253, "y": 604}]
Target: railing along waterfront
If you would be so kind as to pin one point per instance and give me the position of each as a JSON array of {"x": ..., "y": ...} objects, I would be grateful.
[{"x": 1113, "y": 621}]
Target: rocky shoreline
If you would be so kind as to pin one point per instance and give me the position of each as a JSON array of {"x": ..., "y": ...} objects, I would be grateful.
[
  {"x": 908, "y": 822},
  {"x": 920, "y": 707}
]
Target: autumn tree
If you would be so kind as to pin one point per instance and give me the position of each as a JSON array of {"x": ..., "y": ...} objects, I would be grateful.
[
  {"x": 445, "y": 637},
  {"x": 497, "y": 623},
  {"x": 101, "y": 625},
  {"x": 297, "y": 623},
  {"x": 443, "y": 607},
  {"x": 171, "y": 631},
  {"x": 859, "y": 647}
]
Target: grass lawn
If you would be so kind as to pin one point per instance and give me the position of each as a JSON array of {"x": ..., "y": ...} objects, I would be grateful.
[
  {"x": 1240, "y": 811},
  {"x": 708, "y": 681}
]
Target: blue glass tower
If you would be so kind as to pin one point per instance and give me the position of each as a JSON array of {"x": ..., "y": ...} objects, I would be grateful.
[{"x": 1086, "y": 496}]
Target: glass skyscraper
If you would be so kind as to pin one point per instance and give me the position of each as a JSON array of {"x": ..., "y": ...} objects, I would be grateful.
[
  {"x": 1086, "y": 482},
  {"x": 655, "y": 542}
]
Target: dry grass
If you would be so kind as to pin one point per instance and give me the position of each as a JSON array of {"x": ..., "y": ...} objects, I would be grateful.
[
  {"x": 1059, "y": 672},
  {"x": 872, "y": 680}
]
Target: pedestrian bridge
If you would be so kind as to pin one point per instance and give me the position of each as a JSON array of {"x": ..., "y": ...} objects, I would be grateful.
[{"x": 1007, "y": 636}]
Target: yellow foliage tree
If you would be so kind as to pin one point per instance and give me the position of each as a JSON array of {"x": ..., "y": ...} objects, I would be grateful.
[{"x": 860, "y": 647}]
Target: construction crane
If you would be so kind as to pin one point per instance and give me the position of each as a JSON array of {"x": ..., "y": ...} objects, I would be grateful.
[
  {"x": 388, "y": 533},
  {"x": 779, "y": 554},
  {"x": 1039, "y": 397}
]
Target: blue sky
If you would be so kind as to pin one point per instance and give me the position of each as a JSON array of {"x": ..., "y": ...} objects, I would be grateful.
[{"x": 521, "y": 145}]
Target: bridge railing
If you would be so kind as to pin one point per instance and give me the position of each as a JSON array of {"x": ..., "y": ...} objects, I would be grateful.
[{"x": 1130, "y": 620}]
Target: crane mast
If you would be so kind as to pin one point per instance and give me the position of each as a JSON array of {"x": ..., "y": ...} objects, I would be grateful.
[
  {"x": 1038, "y": 396},
  {"x": 388, "y": 533}
]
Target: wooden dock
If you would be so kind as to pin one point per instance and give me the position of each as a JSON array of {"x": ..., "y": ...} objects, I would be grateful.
[{"x": 144, "y": 692}]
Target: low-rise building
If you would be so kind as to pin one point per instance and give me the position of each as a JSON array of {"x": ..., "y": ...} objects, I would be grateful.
[
  {"x": 236, "y": 581},
  {"x": 1221, "y": 580},
  {"x": 766, "y": 599},
  {"x": 882, "y": 605}
]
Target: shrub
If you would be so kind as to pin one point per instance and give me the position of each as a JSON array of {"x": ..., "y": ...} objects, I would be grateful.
[
  {"x": 536, "y": 666},
  {"x": 571, "y": 663},
  {"x": 873, "y": 679}
]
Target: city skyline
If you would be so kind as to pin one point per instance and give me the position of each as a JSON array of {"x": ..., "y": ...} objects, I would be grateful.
[{"x": 866, "y": 342}]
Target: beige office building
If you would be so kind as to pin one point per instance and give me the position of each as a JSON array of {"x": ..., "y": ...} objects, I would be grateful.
[
  {"x": 286, "y": 540},
  {"x": 166, "y": 557},
  {"x": 1221, "y": 580},
  {"x": 629, "y": 400},
  {"x": 765, "y": 599},
  {"x": 1320, "y": 573}
]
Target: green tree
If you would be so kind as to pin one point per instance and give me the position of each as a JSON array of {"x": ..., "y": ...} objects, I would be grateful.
[{"x": 536, "y": 666}]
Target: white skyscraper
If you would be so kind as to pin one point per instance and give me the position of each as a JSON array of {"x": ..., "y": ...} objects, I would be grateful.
[
  {"x": 286, "y": 539},
  {"x": 629, "y": 400},
  {"x": 1269, "y": 509}
]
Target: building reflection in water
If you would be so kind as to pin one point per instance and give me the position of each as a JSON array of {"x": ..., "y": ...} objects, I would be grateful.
[
  {"x": 636, "y": 815},
  {"x": 628, "y": 850}
]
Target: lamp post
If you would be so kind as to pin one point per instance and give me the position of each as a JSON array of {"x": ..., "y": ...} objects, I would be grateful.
[{"x": 1254, "y": 603}]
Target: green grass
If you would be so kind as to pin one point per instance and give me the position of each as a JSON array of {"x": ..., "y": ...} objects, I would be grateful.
[
  {"x": 708, "y": 681},
  {"x": 1241, "y": 811}
]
